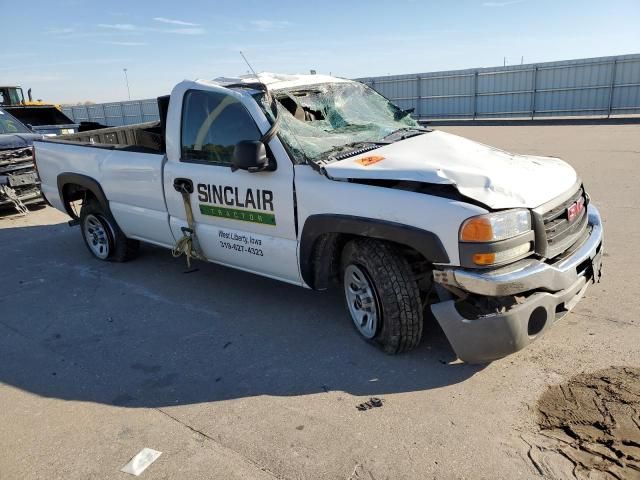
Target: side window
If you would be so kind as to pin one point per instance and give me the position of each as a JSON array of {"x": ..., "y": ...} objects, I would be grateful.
[{"x": 212, "y": 124}]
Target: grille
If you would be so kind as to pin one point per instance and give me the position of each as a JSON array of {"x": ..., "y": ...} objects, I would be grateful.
[
  {"x": 17, "y": 155},
  {"x": 560, "y": 232},
  {"x": 18, "y": 173}
]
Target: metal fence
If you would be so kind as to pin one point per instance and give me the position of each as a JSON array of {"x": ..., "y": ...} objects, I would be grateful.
[
  {"x": 115, "y": 114},
  {"x": 602, "y": 87}
]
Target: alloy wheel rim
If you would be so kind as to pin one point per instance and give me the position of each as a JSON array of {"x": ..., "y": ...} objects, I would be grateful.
[
  {"x": 96, "y": 236},
  {"x": 361, "y": 300}
]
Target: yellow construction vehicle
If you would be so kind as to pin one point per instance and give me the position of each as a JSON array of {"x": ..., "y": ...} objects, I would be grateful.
[{"x": 41, "y": 117}]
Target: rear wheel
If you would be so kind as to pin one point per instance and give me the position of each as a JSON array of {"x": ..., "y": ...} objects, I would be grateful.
[
  {"x": 382, "y": 295},
  {"x": 103, "y": 237}
]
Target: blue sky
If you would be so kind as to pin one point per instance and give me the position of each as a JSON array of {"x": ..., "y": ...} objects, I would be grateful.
[{"x": 74, "y": 50}]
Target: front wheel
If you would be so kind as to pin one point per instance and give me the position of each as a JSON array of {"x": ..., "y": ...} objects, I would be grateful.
[{"x": 382, "y": 295}]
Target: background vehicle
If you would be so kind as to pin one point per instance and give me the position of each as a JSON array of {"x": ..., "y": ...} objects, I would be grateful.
[
  {"x": 40, "y": 116},
  {"x": 19, "y": 184},
  {"x": 315, "y": 180}
]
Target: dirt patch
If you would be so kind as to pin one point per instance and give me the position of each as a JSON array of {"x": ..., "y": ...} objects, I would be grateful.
[{"x": 593, "y": 421}]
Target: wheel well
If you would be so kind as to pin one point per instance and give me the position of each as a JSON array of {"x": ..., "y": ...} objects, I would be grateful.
[
  {"x": 324, "y": 235},
  {"x": 72, "y": 192},
  {"x": 327, "y": 253},
  {"x": 74, "y": 186}
]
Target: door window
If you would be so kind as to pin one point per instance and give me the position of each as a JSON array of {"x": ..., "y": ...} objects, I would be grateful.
[{"x": 212, "y": 124}]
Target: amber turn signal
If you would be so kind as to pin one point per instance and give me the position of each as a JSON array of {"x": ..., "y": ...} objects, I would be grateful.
[
  {"x": 484, "y": 258},
  {"x": 477, "y": 229},
  {"x": 502, "y": 255}
]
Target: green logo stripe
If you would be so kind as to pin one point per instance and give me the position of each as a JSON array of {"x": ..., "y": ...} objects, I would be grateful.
[{"x": 235, "y": 214}]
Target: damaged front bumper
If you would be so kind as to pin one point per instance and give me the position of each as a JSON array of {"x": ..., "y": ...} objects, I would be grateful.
[
  {"x": 544, "y": 292},
  {"x": 19, "y": 183},
  {"x": 32, "y": 196}
]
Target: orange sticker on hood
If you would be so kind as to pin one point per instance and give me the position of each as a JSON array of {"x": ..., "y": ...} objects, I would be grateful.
[{"x": 366, "y": 161}]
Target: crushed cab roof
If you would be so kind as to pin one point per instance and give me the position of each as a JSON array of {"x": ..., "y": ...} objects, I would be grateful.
[{"x": 279, "y": 81}]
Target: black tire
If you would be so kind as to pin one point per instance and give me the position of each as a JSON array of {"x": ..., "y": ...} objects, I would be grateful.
[
  {"x": 118, "y": 247},
  {"x": 397, "y": 297}
]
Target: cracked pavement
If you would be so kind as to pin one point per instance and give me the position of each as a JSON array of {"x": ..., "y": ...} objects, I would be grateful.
[{"x": 234, "y": 376}]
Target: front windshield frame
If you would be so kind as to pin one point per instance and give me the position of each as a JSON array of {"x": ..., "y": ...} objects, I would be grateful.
[
  {"x": 358, "y": 115},
  {"x": 7, "y": 119}
]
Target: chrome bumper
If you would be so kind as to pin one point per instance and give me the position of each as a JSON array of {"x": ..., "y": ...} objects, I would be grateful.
[
  {"x": 528, "y": 274},
  {"x": 557, "y": 288}
]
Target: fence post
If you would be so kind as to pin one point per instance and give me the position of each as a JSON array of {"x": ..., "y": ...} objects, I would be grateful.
[
  {"x": 141, "y": 114},
  {"x": 612, "y": 86},
  {"x": 475, "y": 94},
  {"x": 533, "y": 92},
  {"x": 104, "y": 115},
  {"x": 418, "y": 96}
]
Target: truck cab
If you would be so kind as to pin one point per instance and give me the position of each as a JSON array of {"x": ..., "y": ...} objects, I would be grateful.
[
  {"x": 316, "y": 181},
  {"x": 11, "y": 96}
]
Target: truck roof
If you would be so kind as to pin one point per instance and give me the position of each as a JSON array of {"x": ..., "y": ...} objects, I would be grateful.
[{"x": 277, "y": 81}]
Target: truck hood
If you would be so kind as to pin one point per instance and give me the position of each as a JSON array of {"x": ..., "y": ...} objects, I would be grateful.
[
  {"x": 17, "y": 140},
  {"x": 486, "y": 174}
]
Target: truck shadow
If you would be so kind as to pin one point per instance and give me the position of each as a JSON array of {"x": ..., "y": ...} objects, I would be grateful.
[{"x": 146, "y": 334}]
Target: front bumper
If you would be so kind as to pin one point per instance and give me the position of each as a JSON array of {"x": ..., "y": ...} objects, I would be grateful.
[
  {"x": 550, "y": 291},
  {"x": 31, "y": 196},
  {"x": 27, "y": 199}
]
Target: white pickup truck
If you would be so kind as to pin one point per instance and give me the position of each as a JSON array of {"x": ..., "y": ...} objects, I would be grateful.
[{"x": 316, "y": 180}]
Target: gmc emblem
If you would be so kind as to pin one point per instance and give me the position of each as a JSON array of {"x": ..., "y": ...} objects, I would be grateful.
[{"x": 575, "y": 209}]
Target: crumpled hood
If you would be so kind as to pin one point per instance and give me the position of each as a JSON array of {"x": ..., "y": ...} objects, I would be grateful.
[
  {"x": 488, "y": 175},
  {"x": 17, "y": 140}
]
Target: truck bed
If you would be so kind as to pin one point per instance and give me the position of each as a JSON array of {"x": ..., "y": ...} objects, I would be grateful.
[
  {"x": 128, "y": 172},
  {"x": 142, "y": 137}
]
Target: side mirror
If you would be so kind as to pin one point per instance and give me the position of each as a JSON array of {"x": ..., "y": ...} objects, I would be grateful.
[{"x": 249, "y": 155}]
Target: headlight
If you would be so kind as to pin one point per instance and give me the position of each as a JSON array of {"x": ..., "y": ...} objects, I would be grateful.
[
  {"x": 496, "y": 226},
  {"x": 496, "y": 238}
]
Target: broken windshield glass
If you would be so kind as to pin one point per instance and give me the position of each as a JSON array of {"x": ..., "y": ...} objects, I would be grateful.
[{"x": 319, "y": 120}]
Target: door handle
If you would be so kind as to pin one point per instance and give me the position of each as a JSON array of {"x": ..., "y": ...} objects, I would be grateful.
[{"x": 183, "y": 185}]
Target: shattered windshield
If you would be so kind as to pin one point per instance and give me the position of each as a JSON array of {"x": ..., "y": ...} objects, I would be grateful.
[{"x": 319, "y": 120}]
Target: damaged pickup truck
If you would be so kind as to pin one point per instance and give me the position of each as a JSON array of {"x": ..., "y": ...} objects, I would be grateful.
[
  {"x": 316, "y": 180},
  {"x": 19, "y": 183}
]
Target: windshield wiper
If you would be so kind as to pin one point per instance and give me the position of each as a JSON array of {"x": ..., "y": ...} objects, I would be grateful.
[
  {"x": 408, "y": 133},
  {"x": 354, "y": 148}
]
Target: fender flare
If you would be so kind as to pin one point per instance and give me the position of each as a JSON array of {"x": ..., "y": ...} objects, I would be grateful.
[
  {"x": 427, "y": 243},
  {"x": 85, "y": 181}
]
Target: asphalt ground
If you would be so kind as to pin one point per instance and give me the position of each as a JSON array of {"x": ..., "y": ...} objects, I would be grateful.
[{"x": 231, "y": 375}]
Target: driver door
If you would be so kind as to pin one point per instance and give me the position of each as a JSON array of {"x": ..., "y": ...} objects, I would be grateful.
[{"x": 242, "y": 219}]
